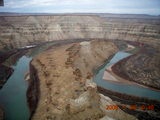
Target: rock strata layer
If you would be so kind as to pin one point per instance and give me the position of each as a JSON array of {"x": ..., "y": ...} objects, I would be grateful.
[{"x": 20, "y": 31}]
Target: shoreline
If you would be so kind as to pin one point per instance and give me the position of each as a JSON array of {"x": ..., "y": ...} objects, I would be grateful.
[
  {"x": 33, "y": 91},
  {"x": 5, "y": 73},
  {"x": 120, "y": 80},
  {"x": 122, "y": 75}
]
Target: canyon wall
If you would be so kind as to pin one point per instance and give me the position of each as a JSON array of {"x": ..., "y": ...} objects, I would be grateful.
[{"x": 19, "y": 31}]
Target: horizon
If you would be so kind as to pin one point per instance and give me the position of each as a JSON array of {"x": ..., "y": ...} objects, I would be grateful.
[
  {"x": 72, "y": 13},
  {"x": 145, "y": 7}
]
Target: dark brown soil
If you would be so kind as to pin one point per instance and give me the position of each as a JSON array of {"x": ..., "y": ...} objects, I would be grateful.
[{"x": 5, "y": 73}]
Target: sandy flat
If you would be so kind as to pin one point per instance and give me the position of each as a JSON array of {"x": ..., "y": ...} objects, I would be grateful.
[
  {"x": 111, "y": 76},
  {"x": 108, "y": 76}
]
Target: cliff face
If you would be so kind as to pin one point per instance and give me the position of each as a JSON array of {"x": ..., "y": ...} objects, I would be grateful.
[
  {"x": 5, "y": 73},
  {"x": 62, "y": 73},
  {"x": 19, "y": 31},
  {"x": 33, "y": 90}
]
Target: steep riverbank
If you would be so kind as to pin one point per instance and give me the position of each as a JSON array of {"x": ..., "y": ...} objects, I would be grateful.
[
  {"x": 33, "y": 92},
  {"x": 5, "y": 73},
  {"x": 7, "y": 59},
  {"x": 142, "y": 67},
  {"x": 62, "y": 73}
]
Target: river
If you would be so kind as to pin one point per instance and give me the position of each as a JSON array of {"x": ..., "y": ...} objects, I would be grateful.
[
  {"x": 13, "y": 94},
  {"x": 123, "y": 88}
]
